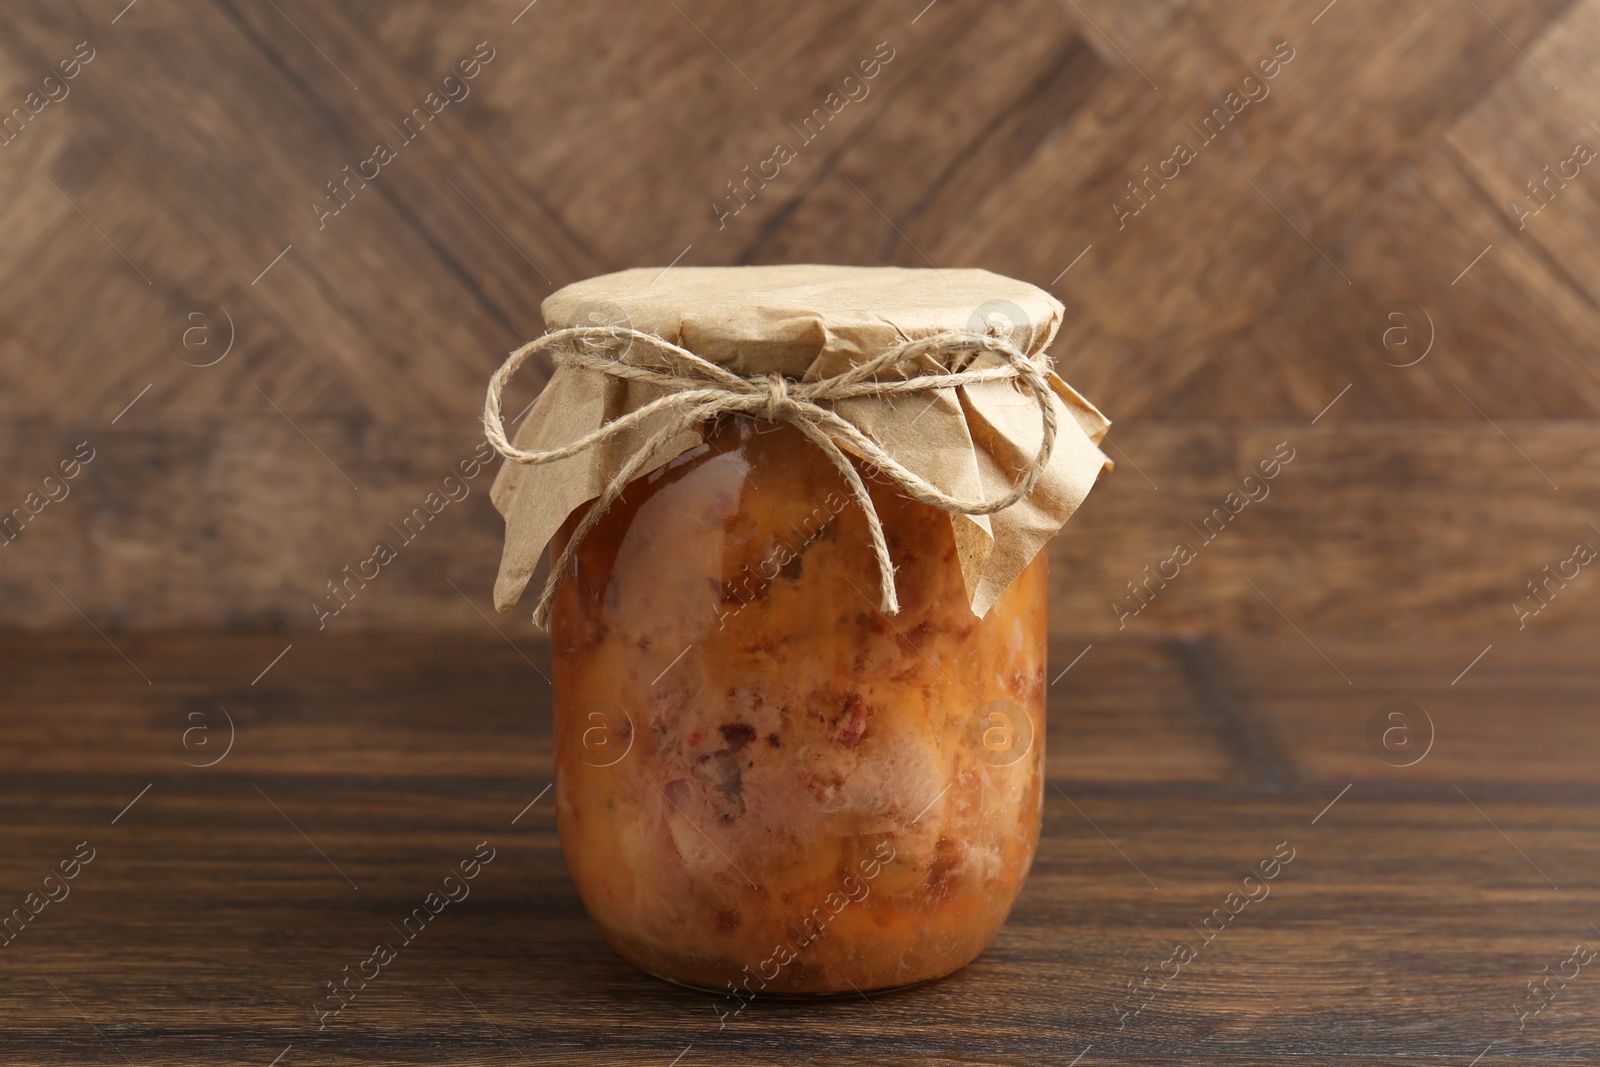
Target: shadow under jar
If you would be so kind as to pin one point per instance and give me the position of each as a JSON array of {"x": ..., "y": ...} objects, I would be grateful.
[{"x": 763, "y": 781}]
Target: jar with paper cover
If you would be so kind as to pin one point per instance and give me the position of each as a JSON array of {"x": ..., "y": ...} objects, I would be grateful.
[{"x": 797, "y": 601}]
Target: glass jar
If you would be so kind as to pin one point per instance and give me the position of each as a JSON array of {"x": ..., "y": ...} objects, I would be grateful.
[{"x": 764, "y": 783}]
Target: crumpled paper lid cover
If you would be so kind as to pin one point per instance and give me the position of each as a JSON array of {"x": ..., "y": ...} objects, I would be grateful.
[{"x": 809, "y": 322}]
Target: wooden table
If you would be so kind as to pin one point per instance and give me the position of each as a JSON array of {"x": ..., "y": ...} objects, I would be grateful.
[{"x": 1420, "y": 902}]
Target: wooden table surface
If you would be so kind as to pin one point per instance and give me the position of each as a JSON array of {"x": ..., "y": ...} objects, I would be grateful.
[{"x": 1420, "y": 903}]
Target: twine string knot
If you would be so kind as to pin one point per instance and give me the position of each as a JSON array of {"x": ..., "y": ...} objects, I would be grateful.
[{"x": 778, "y": 401}]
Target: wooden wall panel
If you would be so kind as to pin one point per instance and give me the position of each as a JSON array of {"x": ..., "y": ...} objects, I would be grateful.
[{"x": 1236, "y": 306}]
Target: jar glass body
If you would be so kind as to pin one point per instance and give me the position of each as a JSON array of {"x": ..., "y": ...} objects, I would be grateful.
[{"x": 763, "y": 782}]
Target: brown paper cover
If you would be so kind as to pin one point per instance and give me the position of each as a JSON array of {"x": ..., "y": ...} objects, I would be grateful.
[{"x": 810, "y": 322}]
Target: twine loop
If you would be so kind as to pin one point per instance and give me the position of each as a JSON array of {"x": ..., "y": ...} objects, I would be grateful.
[{"x": 696, "y": 390}]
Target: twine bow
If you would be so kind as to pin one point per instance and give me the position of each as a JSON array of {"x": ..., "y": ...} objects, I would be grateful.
[{"x": 696, "y": 390}]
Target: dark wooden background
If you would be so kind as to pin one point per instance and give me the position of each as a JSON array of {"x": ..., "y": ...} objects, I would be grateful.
[
  {"x": 1245, "y": 305},
  {"x": 1220, "y": 320}
]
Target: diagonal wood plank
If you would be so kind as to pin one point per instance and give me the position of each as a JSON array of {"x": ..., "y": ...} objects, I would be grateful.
[
  {"x": 879, "y": 176},
  {"x": 1120, "y": 31},
  {"x": 1416, "y": 249},
  {"x": 930, "y": 152},
  {"x": 1521, "y": 141}
]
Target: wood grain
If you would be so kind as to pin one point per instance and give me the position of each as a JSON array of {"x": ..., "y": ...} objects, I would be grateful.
[
  {"x": 217, "y": 905},
  {"x": 192, "y": 149}
]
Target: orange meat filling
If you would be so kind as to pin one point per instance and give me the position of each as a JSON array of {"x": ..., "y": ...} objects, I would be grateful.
[{"x": 764, "y": 782}]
